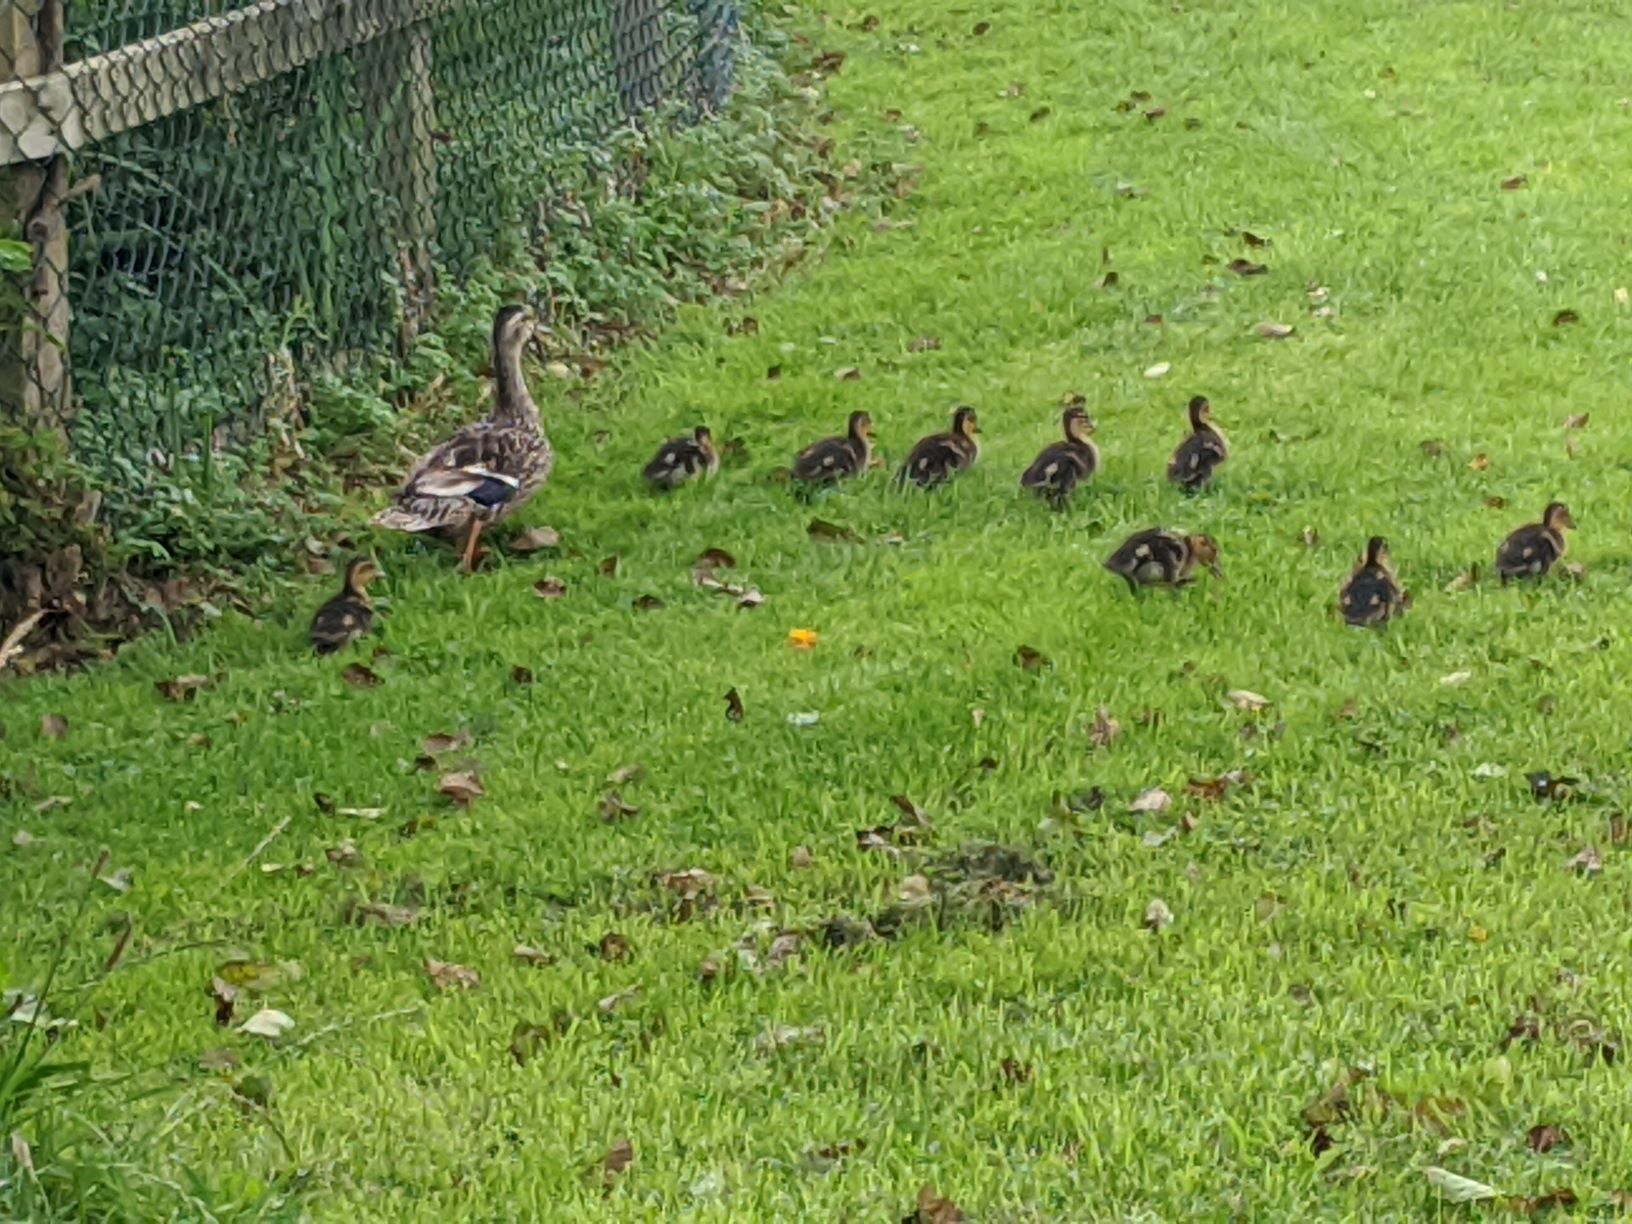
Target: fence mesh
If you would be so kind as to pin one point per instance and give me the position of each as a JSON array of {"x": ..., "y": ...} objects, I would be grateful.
[{"x": 217, "y": 196}]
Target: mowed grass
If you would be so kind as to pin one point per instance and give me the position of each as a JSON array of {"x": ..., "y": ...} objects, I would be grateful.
[{"x": 1381, "y": 896}]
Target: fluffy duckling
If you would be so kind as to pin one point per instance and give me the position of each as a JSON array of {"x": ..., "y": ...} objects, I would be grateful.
[
  {"x": 684, "y": 458},
  {"x": 350, "y": 614},
  {"x": 839, "y": 458},
  {"x": 1535, "y": 548},
  {"x": 489, "y": 469},
  {"x": 1155, "y": 557},
  {"x": 939, "y": 457},
  {"x": 1199, "y": 455},
  {"x": 1372, "y": 593},
  {"x": 1062, "y": 466}
]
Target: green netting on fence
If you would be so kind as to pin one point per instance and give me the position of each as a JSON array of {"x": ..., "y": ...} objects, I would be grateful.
[{"x": 281, "y": 184}]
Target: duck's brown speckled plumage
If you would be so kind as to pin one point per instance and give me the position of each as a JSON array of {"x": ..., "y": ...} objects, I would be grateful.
[
  {"x": 1158, "y": 557},
  {"x": 1535, "y": 548},
  {"x": 939, "y": 457},
  {"x": 489, "y": 469},
  {"x": 348, "y": 615},
  {"x": 684, "y": 458},
  {"x": 1061, "y": 466},
  {"x": 839, "y": 458},
  {"x": 1198, "y": 457},
  {"x": 1372, "y": 594}
]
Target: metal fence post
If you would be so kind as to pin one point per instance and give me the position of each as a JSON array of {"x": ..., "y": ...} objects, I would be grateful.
[
  {"x": 395, "y": 80},
  {"x": 715, "y": 69},
  {"x": 34, "y": 379},
  {"x": 636, "y": 31}
]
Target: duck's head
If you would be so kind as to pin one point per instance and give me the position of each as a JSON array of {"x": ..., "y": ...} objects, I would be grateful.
[
  {"x": 1078, "y": 424},
  {"x": 1377, "y": 552},
  {"x": 861, "y": 425},
  {"x": 964, "y": 423},
  {"x": 513, "y": 327},
  {"x": 1201, "y": 412},
  {"x": 704, "y": 436},
  {"x": 1557, "y": 518},
  {"x": 1205, "y": 550},
  {"x": 360, "y": 571}
]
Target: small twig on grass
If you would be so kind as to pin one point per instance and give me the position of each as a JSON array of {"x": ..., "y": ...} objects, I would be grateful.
[
  {"x": 254, "y": 854},
  {"x": 338, "y": 1025}
]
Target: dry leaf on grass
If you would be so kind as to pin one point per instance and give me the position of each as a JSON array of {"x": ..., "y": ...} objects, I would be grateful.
[
  {"x": 1246, "y": 699},
  {"x": 733, "y": 706},
  {"x": 617, "y": 1159},
  {"x": 1158, "y": 917},
  {"x": 932, "y": 1208},
  {"x": 182, "y": 688},
  {"x": 448, "y": 976},
  {"x": 550, "y": 587},
  {"x": 1151, "y": 801},
  {"x": 1105, "y": 729},
  {"x": 1458, "y": 1189},
  {"x": 1271, "y": 330},
  {"x": 360, "y": 677},
  {"x": 1160, "y": 370},
  {"x": 534, "y": 539},
  {"x": 461, "y": 788},
  {"x": 613, "y": 808},
  {"x": 269, "y": 1023},
  {"x": 531, "y": 955},
  {"x": 439, "y": 742},
  {"x": 1245, "y": 267},
  {"x": 803, "y": 639}
]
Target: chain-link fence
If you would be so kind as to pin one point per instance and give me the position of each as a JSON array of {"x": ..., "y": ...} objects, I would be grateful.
[{"x": 216, "y": 197}]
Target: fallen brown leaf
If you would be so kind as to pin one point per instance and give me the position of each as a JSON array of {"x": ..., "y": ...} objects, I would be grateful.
[
  {"x": 360, "y": 677},
  {"x": 614, "y": 947},
  {"x": 933, "y": 1208},
  {"x": 1028, "y": 659},
  {"x": 521, "y": 675},
  {"x": 616, "y": 1161},
  {"x": 733, "y": 706},
  {"x": 1480, "y": 462},
  {"x": 1157, "y": 915},
  {"x": 1586, "y": 862},
  {"x": 1245, "y": 267},
  {"x": 1151, "y": 801},
  {"x": 535, "y": 539},
  {"x": 924, "y": 344},
  {"x": 821, "y": 529},
  {"x": 53, "y": 726},
  {"x": 439, "y": 742},
  {"x": 613, "y": 808},
  {"x": 531, "y": 955},
  {"x": 612, "y": 1002},
  {"x": 847, "y": 374},
  {"x": 1545, "y": 1138},
  {"x": 1517, "y": 183},
  {"x": 1105, "y": 729},
  {"x": 1565, "y": 318},
  {"x": 182, "y": 688},
  {"x": 1275, "y": 331},
  {"x": 550, "y": 587},
  {"x": 648, "y": 603},
  {"x": 225, "y": 995},
  {"x": 1253, "y": 240},
  {"x": 381, "y": 914},
  {"x": 447, "y": 976},
  {"x": 461, "y": 788},
  {"x": 689, "y": 884}
]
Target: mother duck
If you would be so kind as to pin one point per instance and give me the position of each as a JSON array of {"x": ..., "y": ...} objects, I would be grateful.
[{"x": 489, "y": 469}]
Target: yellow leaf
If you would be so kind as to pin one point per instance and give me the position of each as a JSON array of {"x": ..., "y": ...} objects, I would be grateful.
[{"x": 803, "y": 639}]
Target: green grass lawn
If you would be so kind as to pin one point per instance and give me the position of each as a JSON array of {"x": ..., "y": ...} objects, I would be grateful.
[{"x": 1385, "y": 893}]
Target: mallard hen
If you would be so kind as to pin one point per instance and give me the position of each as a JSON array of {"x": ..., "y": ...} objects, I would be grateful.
[
  {"x": 1199, "y": 455},
  {"x": 1372, "y": 593},
  {"x": 1535, "y": 548},
  {"x": 348, "y": 615},
  {"x": 1062, "y": 466},
  {"x": 839, "y": 458},
  {"x": 1157, "y": 557},
  {"x": 939, "y": 457},
  {"x": 489, "y": 469},
  {"x": 684, "y": 458}
]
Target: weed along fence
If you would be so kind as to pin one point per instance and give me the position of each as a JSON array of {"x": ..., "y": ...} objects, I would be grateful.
[{"x": 214, "y": 198}]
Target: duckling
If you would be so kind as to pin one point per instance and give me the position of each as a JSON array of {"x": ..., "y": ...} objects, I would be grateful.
[
  {"x": 1155, "y": 557},
  {"x": 349, "y": 615},
  {"x": 1061, "y": 466},
  {"x": 489, "y": 469},
  {"x": 1535, "y": 548},
  {"x": 1372, "y": 593},
  {"x": 684, "y": 458},
  {"x": 939, "y": 457},
  {"x": 834, "y": 459},
  {"x": 1199, "y": 455}
]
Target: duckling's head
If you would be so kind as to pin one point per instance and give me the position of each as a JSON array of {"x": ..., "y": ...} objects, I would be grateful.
[
  {"x": 964, "y": 423},
  {"x": 1078, "y": 424},
  {"x": 513, "y": 327},
  {"x": 1205, "y": 550},
  {"x": 1557, "y": 517},
  {"x": 1377, "y": 551},
  {"x": 360, "y": 571},
  {"x": 861, "y": 425},
  {"x": 704, "y": 436},
  {"x": 1201, "y": 412}
]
